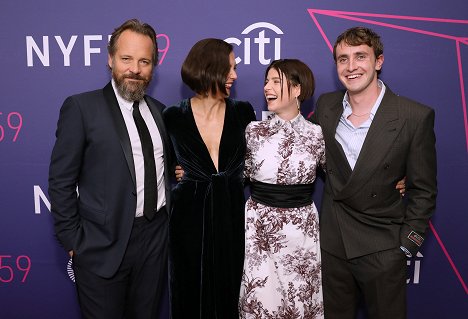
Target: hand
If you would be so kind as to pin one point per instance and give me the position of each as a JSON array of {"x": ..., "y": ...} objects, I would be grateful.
[
  {"x": 401, "y": 186},
  {"x": 179, "y": 173}
]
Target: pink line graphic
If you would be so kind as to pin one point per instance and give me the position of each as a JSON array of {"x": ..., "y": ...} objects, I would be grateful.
[
  {"x": 457, "y": 273},
  {"x": 358, "y": 16}
]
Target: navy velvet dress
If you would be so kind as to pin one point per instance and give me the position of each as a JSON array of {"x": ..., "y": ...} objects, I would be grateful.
[{"x": 207, "y": 222}]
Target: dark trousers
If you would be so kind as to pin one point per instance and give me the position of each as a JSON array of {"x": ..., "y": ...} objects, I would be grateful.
[
  {"x": 134, "y": 291},
  {"x": 378, "y": 278}
]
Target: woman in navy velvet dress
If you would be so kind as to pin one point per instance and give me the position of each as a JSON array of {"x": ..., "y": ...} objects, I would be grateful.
[{"x": 207, "y": 222}]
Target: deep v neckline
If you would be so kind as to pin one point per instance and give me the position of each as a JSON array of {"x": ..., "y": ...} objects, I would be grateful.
[{"x": 195, "y": 126}]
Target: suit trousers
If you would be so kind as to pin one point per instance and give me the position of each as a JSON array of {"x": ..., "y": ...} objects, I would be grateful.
[
  {"x": 378, "y": 280},
  {"x": 135, "y": 290}
]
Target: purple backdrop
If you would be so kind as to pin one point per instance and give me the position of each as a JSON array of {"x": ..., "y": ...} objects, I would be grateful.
[{"x": 51, "y": 49}]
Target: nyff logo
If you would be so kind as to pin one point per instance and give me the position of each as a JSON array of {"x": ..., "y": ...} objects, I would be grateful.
[{"x": 266, "y": 45}]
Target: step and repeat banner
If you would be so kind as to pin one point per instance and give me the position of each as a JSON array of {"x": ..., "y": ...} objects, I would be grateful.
[{"x": 52, "y": 49}]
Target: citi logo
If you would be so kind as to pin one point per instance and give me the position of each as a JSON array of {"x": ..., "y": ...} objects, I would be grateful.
[
  {"x": 265, "y": 38},
  {"x": 414, "y": 269}
]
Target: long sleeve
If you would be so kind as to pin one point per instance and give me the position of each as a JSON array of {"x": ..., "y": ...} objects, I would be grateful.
[
  {"x": 421, "y": 184},
  {"x": 64, "y": 170}
]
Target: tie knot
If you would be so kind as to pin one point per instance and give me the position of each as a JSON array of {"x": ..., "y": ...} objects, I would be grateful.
[{"x": 136, "y": 104}]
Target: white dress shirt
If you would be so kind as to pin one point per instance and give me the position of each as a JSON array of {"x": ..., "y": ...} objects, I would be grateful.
[{"x": 126, "y": 107}]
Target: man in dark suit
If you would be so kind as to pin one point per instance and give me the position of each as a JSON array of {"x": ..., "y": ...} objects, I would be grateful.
[
  {"x": 109, "y": 185},
  {"x": 373, "y": 139}
]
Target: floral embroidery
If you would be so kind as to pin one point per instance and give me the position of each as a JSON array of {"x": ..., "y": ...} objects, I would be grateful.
[{"x": 282, "y": 268}]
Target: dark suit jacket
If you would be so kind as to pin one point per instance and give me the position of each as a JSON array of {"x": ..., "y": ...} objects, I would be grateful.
[
  {"x": 362, "y": 213},
  {"x": 93, "y": 152}
]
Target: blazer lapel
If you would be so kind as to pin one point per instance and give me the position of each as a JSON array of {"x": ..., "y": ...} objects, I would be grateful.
[
  {"x": 329, "y": 123},
  {"x": 120, "y": 127},
  {"x": 381, "y": 136},
  {"x": 156, "y": 112}
]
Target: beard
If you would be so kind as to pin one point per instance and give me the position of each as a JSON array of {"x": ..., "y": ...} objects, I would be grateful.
[{"x": 130, "y": 90}]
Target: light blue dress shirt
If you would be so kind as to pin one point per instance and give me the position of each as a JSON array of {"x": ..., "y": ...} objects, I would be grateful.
[{"x": 350, "y": 137}]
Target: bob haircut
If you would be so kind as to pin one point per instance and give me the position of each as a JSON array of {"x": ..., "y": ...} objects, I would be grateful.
[
  {"x": 207, "y": 66},
  {"x": 137, "y": 27},
  {"x": 296, "y": 73}
]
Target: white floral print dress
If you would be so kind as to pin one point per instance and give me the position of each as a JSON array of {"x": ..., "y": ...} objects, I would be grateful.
[{"x": 282, "y": 267}]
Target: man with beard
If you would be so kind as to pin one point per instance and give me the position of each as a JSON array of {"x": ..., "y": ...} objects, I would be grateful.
[{"x": 109, "y": 185}]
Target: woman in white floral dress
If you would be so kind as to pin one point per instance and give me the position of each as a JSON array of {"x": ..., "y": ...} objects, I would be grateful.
[{"x": 282, "y": 267}]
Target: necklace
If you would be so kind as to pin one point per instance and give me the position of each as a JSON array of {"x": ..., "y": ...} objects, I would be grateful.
[{"x": 361, "y": 115}]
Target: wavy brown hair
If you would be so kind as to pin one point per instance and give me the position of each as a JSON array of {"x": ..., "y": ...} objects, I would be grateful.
[{"x": 138, "y": 27}]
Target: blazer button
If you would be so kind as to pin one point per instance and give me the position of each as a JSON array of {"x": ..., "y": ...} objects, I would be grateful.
[
  {"x": 373, "y": 195},
  {"x": 386, "y": 166}
]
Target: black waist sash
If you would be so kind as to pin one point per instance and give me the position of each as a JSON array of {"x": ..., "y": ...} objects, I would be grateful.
[{"x": 283, "y": 196}]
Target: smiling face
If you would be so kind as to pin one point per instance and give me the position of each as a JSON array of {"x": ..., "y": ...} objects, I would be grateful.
[
  {"x": 279, "y": 99},
  {"x": 132, "y": 64},
  {"x": 357, "y": 67},
  {"x": 232, "y": 75}
]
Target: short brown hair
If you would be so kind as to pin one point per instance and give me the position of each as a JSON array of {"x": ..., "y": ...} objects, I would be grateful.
[
  {"x": 207, "y": 66},
  {"x": 296, "y": 72},
  {"x": 360, "y": 35},
  {"x": 138, "y": 27}
]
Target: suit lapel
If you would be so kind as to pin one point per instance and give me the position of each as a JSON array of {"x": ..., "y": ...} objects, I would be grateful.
[
  {"x": 380, "y": 138},
  {"x": 156, "y": 112},
  {"x": 120, "y": 128},
  {"x": 329, "y": 122}
]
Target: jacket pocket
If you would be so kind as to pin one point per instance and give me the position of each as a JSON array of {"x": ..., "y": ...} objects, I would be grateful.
[{"x": 94, "y": 215}]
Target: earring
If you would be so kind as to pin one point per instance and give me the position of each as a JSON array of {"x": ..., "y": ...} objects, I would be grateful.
[{"x": 297, "y": 103}]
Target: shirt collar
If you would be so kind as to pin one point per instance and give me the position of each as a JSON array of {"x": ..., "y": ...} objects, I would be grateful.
[
  {"x": 277, "y": 122},
  {"x": 347, "y": 110}
]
